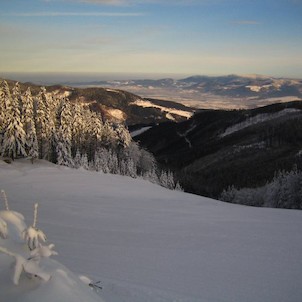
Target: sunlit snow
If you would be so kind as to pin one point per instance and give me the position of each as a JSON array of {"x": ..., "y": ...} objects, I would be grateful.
[
  {"x": 143, "y": 103},
  {"x": 140, "y": 131}
]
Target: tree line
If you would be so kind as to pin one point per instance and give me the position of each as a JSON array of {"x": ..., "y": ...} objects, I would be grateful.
[{"x": 284, "y": 191}]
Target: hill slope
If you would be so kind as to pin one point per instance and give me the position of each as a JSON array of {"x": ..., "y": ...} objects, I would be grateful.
[
  {"x": 217, "y": 148},
  {"x": 146, "y": 243}
]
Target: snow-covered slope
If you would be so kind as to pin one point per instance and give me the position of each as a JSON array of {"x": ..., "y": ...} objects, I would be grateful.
[
  {"x": 146, "y": 243},
  {"x": 260, "y": 118}
]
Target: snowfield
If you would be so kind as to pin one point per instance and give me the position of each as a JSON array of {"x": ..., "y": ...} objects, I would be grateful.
[
  {"x": 149, "y": 104},
  {"x": 148, "y": 244}
]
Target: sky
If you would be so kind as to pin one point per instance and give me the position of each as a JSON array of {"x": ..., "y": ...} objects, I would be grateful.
[{"x": 208, "y": 37}]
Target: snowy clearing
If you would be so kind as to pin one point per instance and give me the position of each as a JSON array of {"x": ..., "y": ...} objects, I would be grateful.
[
  {"x": 146, "y": 243},
  {"x": 116, "y": 113},
  {"x": 142, "y": 103}
]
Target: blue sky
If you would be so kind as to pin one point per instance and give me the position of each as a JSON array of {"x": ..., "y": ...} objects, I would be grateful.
[{"x": 213, "y": 37}]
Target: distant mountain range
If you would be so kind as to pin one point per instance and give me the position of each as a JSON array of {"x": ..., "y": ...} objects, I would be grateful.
[{"x": 222, "y": 92}]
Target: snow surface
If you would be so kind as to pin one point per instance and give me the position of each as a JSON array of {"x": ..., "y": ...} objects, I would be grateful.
[
  {"x": 140, "y": 131},
  {"x": 146, "y": 243},
  {"x": 169, "y": 111},
  {"x": 116, "y": 113}
]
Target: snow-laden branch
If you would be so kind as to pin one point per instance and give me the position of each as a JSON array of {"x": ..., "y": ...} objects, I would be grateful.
[
  {"x": 6, "y": 251},
  {"x": 43, "y": 251},
  {"x": 29, "y": 266},
  {"x": 5, "y": 200},
  {"x": 3, "y": 228},
  {"x": 35, "y": 215}
]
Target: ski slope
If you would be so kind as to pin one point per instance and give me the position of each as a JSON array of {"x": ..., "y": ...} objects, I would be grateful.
[{"x": 148, "y": 244}]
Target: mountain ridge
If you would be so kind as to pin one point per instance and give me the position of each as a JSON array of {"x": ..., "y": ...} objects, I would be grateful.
[{"x": 215, "y": 92}]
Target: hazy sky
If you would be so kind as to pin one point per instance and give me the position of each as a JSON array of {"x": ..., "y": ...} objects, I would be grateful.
[{"x": 152, "y": 36}]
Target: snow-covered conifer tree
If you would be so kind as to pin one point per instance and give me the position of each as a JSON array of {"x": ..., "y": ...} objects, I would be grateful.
[
  {"x": 77, "y": 159},
  {"x": 151, "y": 176},
  {"x": 131, "y": 168},
  {"x": 178, "y": 187},
  {"x": 146, "y": 161},
  {"x": 41, "y": 123},
  {"x": 109, "y": 137},
  {"x": 123, "y": 136},
  {"x": 52, "y": 106},
  {"x": 95, "y": 130},
  {"x": 113, "y": 162},
  {"x": 166, "y": 180},
  {"x": 63, "y": 147},
  {"x": 14, "y": 136},
  {"x": 228, "y": 194},
  {"x": 48, "y": 103},
  {"x": 78, "y": 129},
  {"x": 102, "y": 160},
  {"x": 5, "y": 99},
  {"x": 84, "y": 162},
  {"x": 163, "y": 179},
  {"x": 4, "y": 90},
  {"x": 171, "y": 182},
  {"x": 31, "y": 145},
  {"x": 97, "y": 161}
]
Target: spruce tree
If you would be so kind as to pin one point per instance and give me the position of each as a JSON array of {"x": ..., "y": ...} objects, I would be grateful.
[
  {"x": 64, "y": 136},
  {"x": 84, "y": 162},
  {"x": 102, "y": 160},
  {"x": 31, "y": 145},
  {"x": 95, "y": 131},
  {"x": 3, "y": 89},
  {"x": 78, "y": 131},
  {"x": 123, "y": 136},
  {"x": 109, "y": 136},
  {"x": 14, "y": 136},
  {"x": 41, "y": 123},
  {"x": 77, "y": 160}
]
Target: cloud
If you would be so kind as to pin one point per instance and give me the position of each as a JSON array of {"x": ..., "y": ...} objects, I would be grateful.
[
  {"x": 132, "y": 2},
  {"x": 246, "y": 22},
  {"x": 110, "y": 2},
  {"x": 73, "y": 14}
]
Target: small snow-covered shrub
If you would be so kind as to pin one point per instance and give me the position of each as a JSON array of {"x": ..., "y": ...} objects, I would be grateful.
[
  {"x": 32, "y": 234},
  {"x": 29, "y": 275},
  {"x": 28, "y": 262}
]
